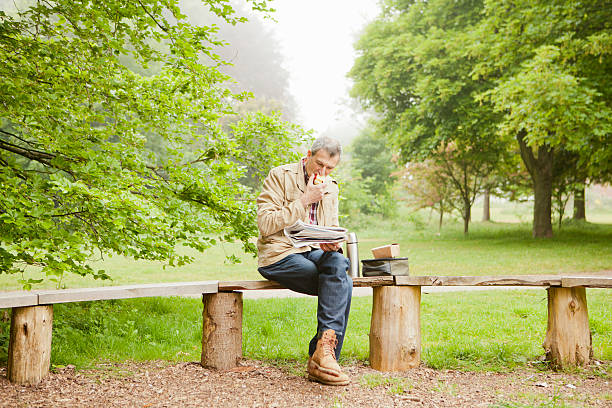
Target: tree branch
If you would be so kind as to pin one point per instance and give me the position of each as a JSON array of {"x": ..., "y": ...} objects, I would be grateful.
[
  {"x": 19, "y": 138},
  {"x": 36, "y": 155},
  {"x": 152, "y": 17},
  {"x": 68, "y": 214},
  {"x": 526, "y": 153}
]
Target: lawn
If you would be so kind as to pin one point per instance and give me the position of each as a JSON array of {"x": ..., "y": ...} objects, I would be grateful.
[{"x": 489, "y": 249}]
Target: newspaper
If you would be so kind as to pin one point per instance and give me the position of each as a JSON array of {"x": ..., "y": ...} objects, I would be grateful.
[{"x": 301, "y": 234}]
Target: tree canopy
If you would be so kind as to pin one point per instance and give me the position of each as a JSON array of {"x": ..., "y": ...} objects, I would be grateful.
[
  {"x": 489, "y": 78},
  {"x": 79, "y": 176},
  {"x": 413, "y": 70},
  {"x": 550, "y": 62}
]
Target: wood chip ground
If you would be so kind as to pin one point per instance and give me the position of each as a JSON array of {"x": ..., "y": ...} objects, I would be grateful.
[{"x": 255, "y": 384}]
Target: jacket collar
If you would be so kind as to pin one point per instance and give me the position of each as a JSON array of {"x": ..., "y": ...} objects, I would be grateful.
[{"x": 300, "y": 177}]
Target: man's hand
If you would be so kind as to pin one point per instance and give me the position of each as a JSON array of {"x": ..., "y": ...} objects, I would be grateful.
[
  {"x": 313, "y": 193},
  {"x": 329, "y": 247}
]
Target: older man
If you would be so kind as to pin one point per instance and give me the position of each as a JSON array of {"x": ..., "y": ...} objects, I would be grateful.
[{"x": 290, "y": 194}]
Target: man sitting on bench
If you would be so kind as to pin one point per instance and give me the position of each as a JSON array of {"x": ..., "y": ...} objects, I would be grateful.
[{"x": 291, "y": 193}]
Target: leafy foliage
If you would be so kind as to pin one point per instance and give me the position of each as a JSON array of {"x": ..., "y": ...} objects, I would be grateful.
[
  {"x": 549, "y": 61},
  {"x": 427, "y": 187},
  {"x": 265, "y": 139},
  {"x": 480, "y": 76},
  {"x": 97, "y": 159},
  {"x": 414, "y": 71},
  {"x": 368, "y": 179}
]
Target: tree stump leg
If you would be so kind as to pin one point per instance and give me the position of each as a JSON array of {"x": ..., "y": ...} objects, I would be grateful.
[
  {"x": 29, "y": 353},
  {"x": 568, "y": 337},
  {"x": 395, "y": 329},
  {"x": 222, "y": 330}
]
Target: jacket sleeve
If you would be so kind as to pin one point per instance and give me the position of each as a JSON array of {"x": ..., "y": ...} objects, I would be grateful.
[{"x": 273, "y": 214}]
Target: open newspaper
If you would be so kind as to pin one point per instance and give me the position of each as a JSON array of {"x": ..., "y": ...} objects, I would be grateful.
[{"x": 301, "y": 234}]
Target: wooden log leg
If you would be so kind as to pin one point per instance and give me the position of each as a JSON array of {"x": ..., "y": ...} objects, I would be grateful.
[
  {"x": 568, "y": 338},
  {"x": 395, "y": 329},
  {"x": 222, "y": 330},
  {"x": 29, "y": 353}
]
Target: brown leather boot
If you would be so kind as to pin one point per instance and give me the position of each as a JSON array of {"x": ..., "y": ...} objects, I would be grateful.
[{"x": 322, "y": 366}]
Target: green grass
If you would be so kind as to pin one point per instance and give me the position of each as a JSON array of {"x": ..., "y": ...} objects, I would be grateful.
[
  {"x": 394, "y": 385},
  {"x": 489, "y": 249},
  {"x": 490, "y": 330},
  {"x": 536, "y": 400},
  {"x": 210, "y": 265}
]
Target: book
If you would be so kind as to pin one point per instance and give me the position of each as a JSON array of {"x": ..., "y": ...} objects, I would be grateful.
[{"x": 301, "y": 234}]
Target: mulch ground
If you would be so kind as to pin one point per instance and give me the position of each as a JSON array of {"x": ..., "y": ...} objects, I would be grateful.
[{"x": 254, "y": 384}]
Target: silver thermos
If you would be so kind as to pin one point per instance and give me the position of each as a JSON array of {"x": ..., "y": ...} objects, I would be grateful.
[{"x": 353, "y": 254}]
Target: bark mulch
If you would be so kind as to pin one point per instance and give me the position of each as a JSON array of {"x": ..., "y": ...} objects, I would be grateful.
[{"x": 255, "y": 384}]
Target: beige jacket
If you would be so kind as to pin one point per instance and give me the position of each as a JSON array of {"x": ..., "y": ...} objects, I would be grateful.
[{"x": 278, "y": 206}]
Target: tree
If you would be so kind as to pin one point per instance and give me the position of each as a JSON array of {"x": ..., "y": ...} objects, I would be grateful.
[
  {"x": 253, "y": 56},
  {"x": 465, "y": 174},
  {"x": 528, "y": 72},
  {"x": 412, "y": 70},
  {"x": 550, "y": 61},
  {"x": 266, "y": 141},
  {"x": 371, "y": 157},
  {"x": 426, "y": 187},
  {"x": 77, "y": 176},
  {"x": 369, "y": 178}
]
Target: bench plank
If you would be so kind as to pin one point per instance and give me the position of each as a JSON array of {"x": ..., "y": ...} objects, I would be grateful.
[
  {"x": 587, "y": 281},
  {"x": 127, "y": 291},
  {"x": 374, "y": 281},
  {"x": 18, "y": 299},
  {"x": 503, "y": 280},
  {"x": 226, "y": 286}
]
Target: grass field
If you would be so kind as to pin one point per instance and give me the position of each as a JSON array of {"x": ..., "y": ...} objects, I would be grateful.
[{"x": 489, "y": 249}]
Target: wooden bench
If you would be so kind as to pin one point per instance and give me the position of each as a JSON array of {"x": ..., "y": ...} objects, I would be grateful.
[
  {"x": 29, "y": 353},
  {"x": 395, "y": 339},
  {"x": 395, "y": 327}
]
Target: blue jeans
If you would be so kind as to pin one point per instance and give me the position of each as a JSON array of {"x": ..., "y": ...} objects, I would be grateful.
[{"x": 322, "y": 274}]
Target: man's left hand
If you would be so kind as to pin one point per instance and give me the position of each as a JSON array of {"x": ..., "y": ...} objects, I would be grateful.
[{"x": 329, "y": 247}]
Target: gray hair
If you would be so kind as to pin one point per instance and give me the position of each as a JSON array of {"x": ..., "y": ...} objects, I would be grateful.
[{"x": 331, "y": 146}]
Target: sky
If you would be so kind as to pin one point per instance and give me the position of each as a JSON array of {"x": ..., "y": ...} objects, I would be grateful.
[{"x": 317, "y": 39}]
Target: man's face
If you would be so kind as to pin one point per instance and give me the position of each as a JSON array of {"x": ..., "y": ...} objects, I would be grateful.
[{"x": 320, "y": 163}]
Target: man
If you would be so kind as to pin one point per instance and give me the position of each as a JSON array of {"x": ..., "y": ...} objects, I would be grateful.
[{"x": 290, "y": 194}]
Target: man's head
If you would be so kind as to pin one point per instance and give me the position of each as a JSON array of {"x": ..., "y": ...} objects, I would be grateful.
[{"x": 323, "y": 156}]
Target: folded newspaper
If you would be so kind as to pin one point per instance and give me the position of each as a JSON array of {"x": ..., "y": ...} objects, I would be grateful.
[{"x": 301, "y": 234}]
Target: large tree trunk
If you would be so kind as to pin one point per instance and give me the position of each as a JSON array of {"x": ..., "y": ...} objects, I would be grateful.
[
  {"x": 486, "y": 207},
  {"x": 579, "y": 204},
  {"x": 542, "y": 185},
  {"x": 541, "y": 170}
]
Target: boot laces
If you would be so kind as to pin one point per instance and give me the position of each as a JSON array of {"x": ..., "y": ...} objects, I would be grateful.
[{"x": 329, "y": 343}]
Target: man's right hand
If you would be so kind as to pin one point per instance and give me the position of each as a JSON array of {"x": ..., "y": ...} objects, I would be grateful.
[{"x": 313, "y": 193}]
